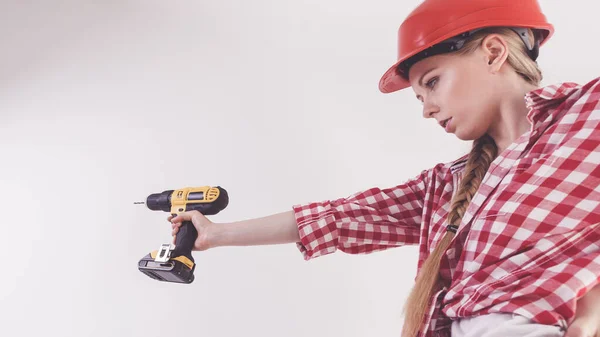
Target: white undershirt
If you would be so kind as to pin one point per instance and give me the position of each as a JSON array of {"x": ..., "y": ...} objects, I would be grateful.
[{"x": 502, "y": 325}]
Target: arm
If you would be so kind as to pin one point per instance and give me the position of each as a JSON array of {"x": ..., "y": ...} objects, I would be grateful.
[
  {"x": 364, "y": 222},
  {"x": 274, "y": 229}
]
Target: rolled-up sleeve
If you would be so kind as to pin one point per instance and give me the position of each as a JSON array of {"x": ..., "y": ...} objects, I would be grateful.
[{"x": 365, "y": 222}]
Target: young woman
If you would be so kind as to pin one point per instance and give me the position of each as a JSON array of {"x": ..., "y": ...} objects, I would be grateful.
[{"x": 508, "y": 234}]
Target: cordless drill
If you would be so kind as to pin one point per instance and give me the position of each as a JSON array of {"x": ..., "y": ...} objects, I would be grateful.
[{"x": 176, "y": 264}]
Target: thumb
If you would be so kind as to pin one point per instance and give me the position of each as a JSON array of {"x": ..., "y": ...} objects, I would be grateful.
[{"x": 580, "y": 328}]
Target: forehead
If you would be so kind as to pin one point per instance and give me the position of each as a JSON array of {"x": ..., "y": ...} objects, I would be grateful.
[
  {"x": 424, "y": 64},
  {"x": 438, "y": 61}
]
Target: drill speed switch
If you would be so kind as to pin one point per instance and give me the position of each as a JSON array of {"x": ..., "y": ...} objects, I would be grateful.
[{"x": 176, "y": 264}]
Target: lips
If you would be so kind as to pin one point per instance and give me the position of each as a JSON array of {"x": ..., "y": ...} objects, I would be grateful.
[{"x": 444, "y": 123}]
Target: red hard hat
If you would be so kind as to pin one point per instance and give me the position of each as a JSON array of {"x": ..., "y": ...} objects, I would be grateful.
[{"x": 435, "y": 21}]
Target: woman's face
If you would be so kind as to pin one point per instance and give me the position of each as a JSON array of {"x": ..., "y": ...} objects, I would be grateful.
[{"x": 458, "y": 92}]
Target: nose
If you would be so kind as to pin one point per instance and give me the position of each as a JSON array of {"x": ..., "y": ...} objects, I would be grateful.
[{"x": 429, "y": 109}]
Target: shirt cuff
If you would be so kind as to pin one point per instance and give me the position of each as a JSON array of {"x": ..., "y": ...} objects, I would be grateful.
[{"x": 317, "y": 228}]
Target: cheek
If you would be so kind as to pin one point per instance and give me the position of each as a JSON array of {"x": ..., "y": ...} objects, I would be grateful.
[
  {"x": 466, "y": 87},
  {"x": 454, "y": 97},
  {"x": 465, "y": 95}
]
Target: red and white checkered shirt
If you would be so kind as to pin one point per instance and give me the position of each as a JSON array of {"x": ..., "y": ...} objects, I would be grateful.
[{"x": 529, "y": 242}]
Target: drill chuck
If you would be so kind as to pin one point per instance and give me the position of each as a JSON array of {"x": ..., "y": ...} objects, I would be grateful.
[{"x": 160, "y": 201}]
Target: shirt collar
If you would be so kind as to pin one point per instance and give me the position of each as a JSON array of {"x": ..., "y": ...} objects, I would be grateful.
[{"x": 540, "y": 101}]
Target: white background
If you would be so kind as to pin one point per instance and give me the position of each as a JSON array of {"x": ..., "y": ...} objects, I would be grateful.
[{"x": 105, "y": 102}]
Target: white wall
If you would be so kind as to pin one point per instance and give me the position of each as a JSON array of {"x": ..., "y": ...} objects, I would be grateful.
[{"x": 103, "y": 103}]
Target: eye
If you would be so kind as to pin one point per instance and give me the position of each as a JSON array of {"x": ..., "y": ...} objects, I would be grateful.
[{"x": 431, "y": 83}]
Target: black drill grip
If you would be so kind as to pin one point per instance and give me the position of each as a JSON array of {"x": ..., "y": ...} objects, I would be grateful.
[{"x": 184, "y": 240}]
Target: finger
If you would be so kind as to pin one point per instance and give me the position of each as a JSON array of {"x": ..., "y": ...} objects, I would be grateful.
[
  {"x": 185, "y": 216},
  {"x": 175, "y": 231},
  {"x": 574, "y": 332},
  {"x": 578, "y": 328}
]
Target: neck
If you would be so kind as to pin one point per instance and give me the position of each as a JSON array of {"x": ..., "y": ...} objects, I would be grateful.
[{"x": 511, "y": 121}]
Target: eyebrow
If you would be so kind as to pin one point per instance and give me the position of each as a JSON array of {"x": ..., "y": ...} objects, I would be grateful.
[{"x": 423, "y": 76}]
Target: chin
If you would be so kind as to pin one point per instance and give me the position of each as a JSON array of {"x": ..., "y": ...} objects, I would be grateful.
[
  {"x": 462, "y": 135},
  {"x": 468, "y": 136}
]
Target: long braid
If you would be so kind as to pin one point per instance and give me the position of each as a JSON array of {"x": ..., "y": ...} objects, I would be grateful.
[{"x": 481, "y": 156}]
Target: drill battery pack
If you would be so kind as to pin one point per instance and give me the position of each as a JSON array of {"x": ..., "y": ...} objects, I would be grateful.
[{"x": 159, "y": 266}]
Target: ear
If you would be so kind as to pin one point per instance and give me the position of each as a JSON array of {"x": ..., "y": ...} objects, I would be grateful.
[{"x": 495, "y": 50}]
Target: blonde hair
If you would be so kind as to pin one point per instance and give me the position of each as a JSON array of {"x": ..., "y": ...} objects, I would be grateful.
[{"x": 482, "y": 154}]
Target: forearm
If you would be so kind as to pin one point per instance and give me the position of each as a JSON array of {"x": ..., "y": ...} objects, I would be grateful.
[{"x": 274, "y": 229}]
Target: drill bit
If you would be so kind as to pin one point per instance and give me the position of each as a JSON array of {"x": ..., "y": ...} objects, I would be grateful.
[{"x": 138, "y": 202}]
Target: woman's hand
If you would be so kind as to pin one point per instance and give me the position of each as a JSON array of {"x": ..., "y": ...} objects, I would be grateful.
[
  {"x": 587, "y": 316},
  {"x": 202, "y": 224}
]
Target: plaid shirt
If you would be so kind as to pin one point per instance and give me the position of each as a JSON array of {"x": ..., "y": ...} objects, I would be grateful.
[{"x": 529, "y": 242}]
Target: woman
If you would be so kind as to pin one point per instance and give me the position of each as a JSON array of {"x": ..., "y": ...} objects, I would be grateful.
[{"x": 508, "y": 233}]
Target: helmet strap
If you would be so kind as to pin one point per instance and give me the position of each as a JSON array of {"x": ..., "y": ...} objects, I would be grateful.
[
  {"x": 457, "y": 42},
  {"x": 532, "y": 50}
]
